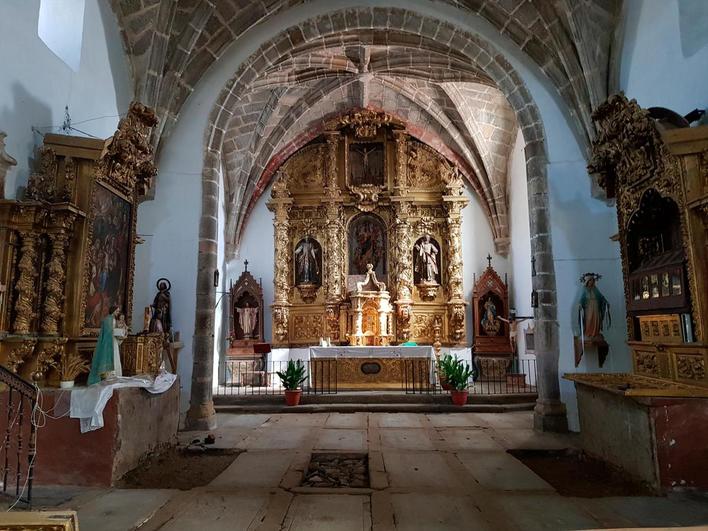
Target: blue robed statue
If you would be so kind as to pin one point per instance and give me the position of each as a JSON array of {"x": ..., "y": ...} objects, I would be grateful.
[{"x": 106, "y": 357}]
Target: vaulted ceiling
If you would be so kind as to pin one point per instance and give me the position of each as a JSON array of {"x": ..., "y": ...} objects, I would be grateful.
[{"x": 411, "y": 66}]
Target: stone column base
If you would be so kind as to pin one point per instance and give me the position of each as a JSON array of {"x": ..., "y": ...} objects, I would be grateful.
[
  {"x": 550, "y": 415},
  {"x": 201, "y": 417}
]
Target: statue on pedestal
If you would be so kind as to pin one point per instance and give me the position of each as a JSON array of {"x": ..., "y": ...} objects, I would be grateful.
[
  {"x": 247, "y": 318},
  {"x": 106, "y": 357},
  {"x": 161, "y": 320},
  {"x": 593, "y": 314}
]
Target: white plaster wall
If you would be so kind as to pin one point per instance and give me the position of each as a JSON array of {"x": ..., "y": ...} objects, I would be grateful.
[
  {"x": 477, "y": 243},
  {"x": 520, "y": 285},
  {"x": 170, "y": 226},
  {"x": 664, "y": 58},
  {"x": 36, "y": 85}
]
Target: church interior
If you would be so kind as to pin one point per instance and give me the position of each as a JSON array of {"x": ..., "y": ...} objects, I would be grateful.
[{"x": 344, "y": 265}]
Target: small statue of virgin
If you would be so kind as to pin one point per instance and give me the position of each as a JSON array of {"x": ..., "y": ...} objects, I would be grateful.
[{"x": 106, "y": 357}]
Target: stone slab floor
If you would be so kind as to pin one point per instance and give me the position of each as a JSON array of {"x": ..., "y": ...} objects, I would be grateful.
[{"x": 428, "y": 472}]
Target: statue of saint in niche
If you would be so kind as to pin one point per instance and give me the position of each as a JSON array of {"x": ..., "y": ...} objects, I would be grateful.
[
  {"x": 490, "y": 322},
  {"x": 307, "y": 262},
  {"x": 426, "y": 261},
  {"x": 247, "y": 319}
]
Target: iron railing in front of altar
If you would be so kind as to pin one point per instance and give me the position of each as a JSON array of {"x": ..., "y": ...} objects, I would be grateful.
[
  {"x": 239, "y": 377},
  {"x": 256, "y": 377},
  {"x": 17, "y": 455}
]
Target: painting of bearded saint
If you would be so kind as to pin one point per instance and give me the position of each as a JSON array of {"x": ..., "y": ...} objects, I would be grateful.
[
  {"x": 367, "y": 245},
  {"x": 109, "y": 250}
]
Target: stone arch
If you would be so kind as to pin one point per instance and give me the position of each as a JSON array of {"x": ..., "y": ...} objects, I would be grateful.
[{"x": 550, "y": 412}]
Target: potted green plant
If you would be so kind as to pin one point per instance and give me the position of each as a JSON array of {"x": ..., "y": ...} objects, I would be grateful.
[
  {"x": 292, "y": 378},
  {"x": 457, "y": 377},
  {"x": 445, "y": 363}
]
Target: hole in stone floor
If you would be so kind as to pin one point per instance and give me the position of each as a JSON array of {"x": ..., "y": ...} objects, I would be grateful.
[
  {"x": 333, "y": 470},
  {"x": 574, "y": 473},
  {"x": 179, "y": 468}
]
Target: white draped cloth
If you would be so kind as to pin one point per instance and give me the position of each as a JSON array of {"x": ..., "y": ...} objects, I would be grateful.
[{"x": 87, "y": 403}]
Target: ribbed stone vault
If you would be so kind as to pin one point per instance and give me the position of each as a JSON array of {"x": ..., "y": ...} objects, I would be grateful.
[
  {"x": 171, "y": 43},
  {"x": 465, "y": 118}
]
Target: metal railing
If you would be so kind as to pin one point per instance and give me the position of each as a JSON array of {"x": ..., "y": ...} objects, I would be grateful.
[
  {"x": 492, "y": 377},
  {"x": 255, "y": 377},
  {"x": 19, "y": 447},
  {"x": 418, "y": 376}
]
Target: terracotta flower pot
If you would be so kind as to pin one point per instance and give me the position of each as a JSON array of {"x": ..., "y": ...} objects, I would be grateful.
[
  {"x": 459, "y": 398},
  {"x": 292, "y": 398},
  {"x": 446, "y": 386}
]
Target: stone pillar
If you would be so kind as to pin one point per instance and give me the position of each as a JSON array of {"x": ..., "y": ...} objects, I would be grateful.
[
  {"x": 25, "y": 285},
  {"x": 550, "y": 412},
  {"x": 201, "y": 414}
]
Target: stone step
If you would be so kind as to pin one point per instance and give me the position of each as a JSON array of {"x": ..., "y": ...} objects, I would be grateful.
[
  {"x": 246, "y": 396},
  {"x": 373, "y": 408}
]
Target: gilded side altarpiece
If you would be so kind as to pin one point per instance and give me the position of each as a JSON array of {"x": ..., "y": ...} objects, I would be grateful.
[
  {"x": 69, "y": 243},
  {"x": 384, "y": 211},
  {"x": 658, "y": 174}
]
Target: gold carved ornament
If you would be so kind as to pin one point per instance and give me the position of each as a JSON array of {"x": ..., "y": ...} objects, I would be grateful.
[
  {"x": 690, "y": 367},
  {"x": 128, "y": 159},
  {"x": 365, "y": 123},
  {"x": 630, "y": 157},
  {"x": 25, "y": 285},
  {"x": 306, "y": 327},
  {"x": 20, "y": 354},
  {"x": 49, "y": 357},
  {"x": 647, "y": 363},
  {"x": 53, "y": 308},
  {"x": 41, "y": 185}
]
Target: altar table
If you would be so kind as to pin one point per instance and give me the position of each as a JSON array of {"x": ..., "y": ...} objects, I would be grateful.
[{"x": 372, "y": 367}]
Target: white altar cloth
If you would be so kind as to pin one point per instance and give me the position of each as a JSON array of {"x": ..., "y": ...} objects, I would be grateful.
[
  {"x": 372, "y": 352},
  {"x": 87, "y": 403}
]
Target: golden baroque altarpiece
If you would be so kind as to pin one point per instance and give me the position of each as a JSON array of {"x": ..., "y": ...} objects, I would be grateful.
[
  {"x": 659, "y": 177},
  {"x": 368, "y": 230},
  {"x": 69, "y": 245}
]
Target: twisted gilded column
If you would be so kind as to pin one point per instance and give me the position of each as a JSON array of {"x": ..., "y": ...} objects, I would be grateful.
[
  {"x": 456, "y": 296},
  {"x": 53, "y": 306},
  {"x": 280, "y": 206},
  {"x": 334, "y": 245},
  {"x": 25, "y": 285},
  {"x": 403, "y": 268}
]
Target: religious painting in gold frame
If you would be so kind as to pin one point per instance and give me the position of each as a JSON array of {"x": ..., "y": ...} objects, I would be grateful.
[
  {"x": 367, "y": 245},
  {"x": 108, "y": 262}
]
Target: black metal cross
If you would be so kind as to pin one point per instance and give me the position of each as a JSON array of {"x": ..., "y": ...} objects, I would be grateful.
[
  {"x": 245, "y": 264},
  {"x": 489, "y": 259}
]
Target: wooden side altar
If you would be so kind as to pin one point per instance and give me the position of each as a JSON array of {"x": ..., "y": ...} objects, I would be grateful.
[
  {"x": 653, "y": 423},
  {"x": 68, "y": 245}
]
